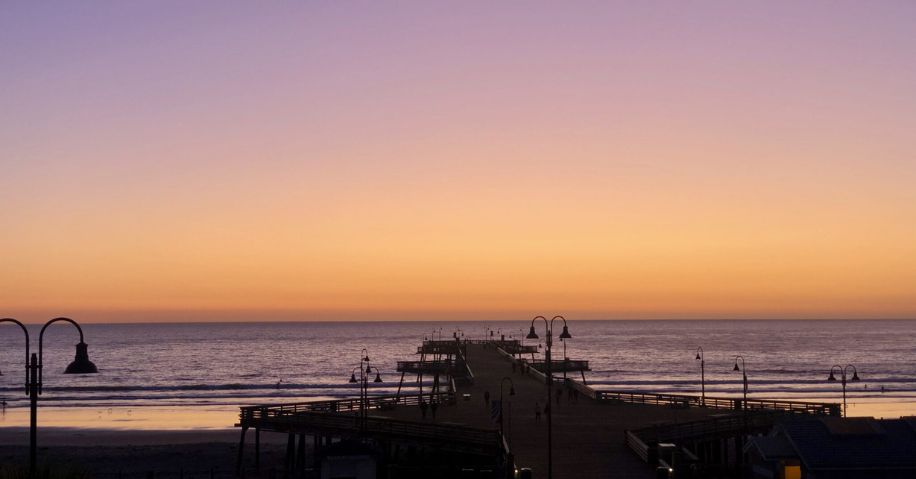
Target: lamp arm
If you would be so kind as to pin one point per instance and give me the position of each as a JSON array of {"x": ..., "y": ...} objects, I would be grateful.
[
  {"x": 41, "y": 337},
  {"x": 854, "y": 371},
  {"x": 26, "y": 332},
  {"x": 536, "y": 318},
  {"x": 743, "y": 366}
]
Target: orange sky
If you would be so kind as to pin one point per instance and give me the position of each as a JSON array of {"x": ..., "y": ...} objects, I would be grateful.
[{"x": 330, "y": 163}]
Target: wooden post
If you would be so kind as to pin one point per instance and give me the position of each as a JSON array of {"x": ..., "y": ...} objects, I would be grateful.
[
  {"x": 398, "y": 396},
  {"x": 238, "y": 464},
  {"x": 300, "y": 456},
  {"x": 257, "y": 449},
  {"x": 290, "y": 451}
]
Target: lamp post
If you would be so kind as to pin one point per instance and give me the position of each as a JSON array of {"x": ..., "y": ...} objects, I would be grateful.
[
  {"x": 363, "y": 380},
  {"x": 832, "y": 378},
  {"x": 511, "y": 393},
  {"x": 739, "y": 457},
  {"x": 702, "y": 375},
  {"x": 33, "y": 377},
  {"x": 743, "y": 370},
  {"x": 549, "y": 341}
]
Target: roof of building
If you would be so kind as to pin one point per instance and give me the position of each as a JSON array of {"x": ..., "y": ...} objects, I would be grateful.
[{"x": 852, "y": 443}]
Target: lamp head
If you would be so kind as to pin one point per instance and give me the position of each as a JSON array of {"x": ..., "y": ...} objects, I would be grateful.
[
  {"x": 698, "y": 356},
  {"x": 81, "y": 363},
  {"x": 855, "y": 375},
  {"x": 352, "y": 377},
  {"x": 831, "y": 378},
  {"x": 736, "y": 368},
  {"x": 532, "y": 334},
  {"x": 378, "y": 377},
  {"x": 565, "y": 334},
  {"x": 512, "y": 390}
]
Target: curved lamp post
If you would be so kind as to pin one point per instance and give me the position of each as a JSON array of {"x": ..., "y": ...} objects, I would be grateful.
[
  {"x": 702, "y": 374},
  {"x": 743, "y": 370},
  {"x": 364, "y": 373},
  {"x": 33, "y": 377},
  {"x": 832, "y": 378},
  {"x": 549, "y": 342}
]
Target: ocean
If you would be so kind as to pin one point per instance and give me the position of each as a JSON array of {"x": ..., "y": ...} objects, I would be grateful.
[{"x": 219, "y": 366}]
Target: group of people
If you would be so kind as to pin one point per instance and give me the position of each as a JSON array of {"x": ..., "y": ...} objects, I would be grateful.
[
  {"x": 572, "y": 394},
  {"x": 428, "y": 406},
  {"x": 520, "y": 366}
]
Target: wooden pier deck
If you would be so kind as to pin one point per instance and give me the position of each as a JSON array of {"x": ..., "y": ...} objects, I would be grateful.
[
  {"x": 587, "y": 434},
  {"x": 593, "y": 431}
]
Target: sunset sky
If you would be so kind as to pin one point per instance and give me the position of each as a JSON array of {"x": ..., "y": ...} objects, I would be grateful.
[{"x": 442, "y": 160}]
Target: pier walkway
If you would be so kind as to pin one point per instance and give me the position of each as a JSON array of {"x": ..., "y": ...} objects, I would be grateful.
[
  {"x": 595, "y": 433},
  {"x": 588, "y": 435}
]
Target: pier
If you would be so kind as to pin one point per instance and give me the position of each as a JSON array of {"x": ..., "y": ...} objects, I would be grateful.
[{"x": 595, "y": 433}]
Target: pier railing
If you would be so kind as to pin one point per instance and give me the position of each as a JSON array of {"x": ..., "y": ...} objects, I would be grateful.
[
  {"x": 558, "y": 366},
  {"x": 430, "y": 367},
  {"x": 453, "y": 434},
  {"x": 346, "y": 405},
  {"x": 680, "y": 400}
]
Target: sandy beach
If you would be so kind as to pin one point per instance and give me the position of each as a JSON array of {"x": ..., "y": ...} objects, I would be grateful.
[{"x": 124, "y": 453}]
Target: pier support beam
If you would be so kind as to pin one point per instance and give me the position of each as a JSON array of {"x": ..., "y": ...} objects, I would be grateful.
[
  {"x": 289, "y": 463},
  {"x": 300, "y": 457},
  {"x": 238, "y": 463},
  {"x": 257, "y": 449}
]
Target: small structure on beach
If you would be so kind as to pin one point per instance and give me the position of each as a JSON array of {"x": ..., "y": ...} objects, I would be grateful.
[{"x": 837, "y": 448}]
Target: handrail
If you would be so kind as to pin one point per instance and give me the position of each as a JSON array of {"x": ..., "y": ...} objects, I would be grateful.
[
  {"x": 348, "y": 404},
  {"x": 684, "y": 431},
  {"x": 800, "y": 407},
  {"x": 561, "y": 365},
  {"x": 450, "y": 432},
  {"x": 411, "y": 366}
]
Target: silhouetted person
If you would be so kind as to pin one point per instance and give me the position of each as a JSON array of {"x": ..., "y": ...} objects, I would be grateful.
[
  {"x": 486, "y": 399},
  {"x": 423, "y": 407},
  {"x": 513, "y": 367},
  {"x": 434, "y": 406},
  {"x": 537, "y": 412},
  {"x": 559, "y": 395}
]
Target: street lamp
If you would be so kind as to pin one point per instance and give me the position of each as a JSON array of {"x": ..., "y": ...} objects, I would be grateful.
[
  {"x": 564, "y": 335},
  {"x": 511, "y": 393},
  {"x": 832, "y": 378},
  {"x": 364, "y": 373},
  {"x": 33, "y": 376},
  {"x": 702, "y": 374},
  {"x": 743, "y": 370}
]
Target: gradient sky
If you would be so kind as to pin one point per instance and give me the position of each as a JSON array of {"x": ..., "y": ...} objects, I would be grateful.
[{"x": 404, "y": 160}]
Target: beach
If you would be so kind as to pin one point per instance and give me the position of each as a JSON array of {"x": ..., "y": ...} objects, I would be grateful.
[{"x": 135, "y": 453}]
